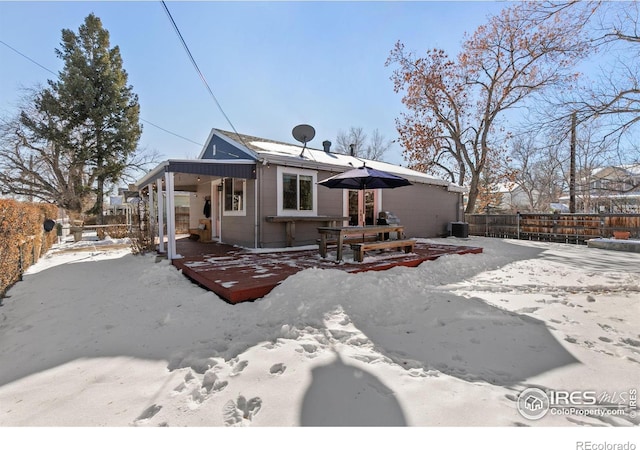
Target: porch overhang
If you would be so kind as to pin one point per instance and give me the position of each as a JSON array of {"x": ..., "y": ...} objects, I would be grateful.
[{"x": 216, "y": 168}]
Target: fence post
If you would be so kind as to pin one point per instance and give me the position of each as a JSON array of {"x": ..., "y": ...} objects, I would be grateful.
[
  {"x": 486, "y": 225},
  {"x": 518, "y": 224}
]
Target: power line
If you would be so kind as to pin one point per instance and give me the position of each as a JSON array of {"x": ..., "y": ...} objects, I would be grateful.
[
  {"x": 195, "y": 65},
  {"x": 171, "y": 132},
  {"x": 52, "y": 72},
  {"x": 25, "y": 56}
]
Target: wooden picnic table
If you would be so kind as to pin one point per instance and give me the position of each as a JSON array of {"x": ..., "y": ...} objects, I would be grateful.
[{"x": 353, "y": 234}]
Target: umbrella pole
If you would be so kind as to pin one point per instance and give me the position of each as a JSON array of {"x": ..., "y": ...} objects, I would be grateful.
[{"x": 362, "y": 203}]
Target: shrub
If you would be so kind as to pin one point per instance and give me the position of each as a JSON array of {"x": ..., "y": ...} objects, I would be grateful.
[{"x": 22, "y": 238}]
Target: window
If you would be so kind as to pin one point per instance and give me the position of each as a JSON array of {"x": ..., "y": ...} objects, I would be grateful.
[
  {"x": 296, "y": 191},
  {"x": 234, "y": 193}
]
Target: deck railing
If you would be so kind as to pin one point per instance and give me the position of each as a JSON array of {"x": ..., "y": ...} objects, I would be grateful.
[{"x": 568, "y": 228}]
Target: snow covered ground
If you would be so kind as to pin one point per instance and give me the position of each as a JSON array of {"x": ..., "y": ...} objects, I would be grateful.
[{"x": 95, "y": 336}]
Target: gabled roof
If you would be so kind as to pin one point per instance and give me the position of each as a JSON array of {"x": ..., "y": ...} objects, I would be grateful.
[
  {"x": 275, "y": 152},
  {"x": 630, "y": 170}
]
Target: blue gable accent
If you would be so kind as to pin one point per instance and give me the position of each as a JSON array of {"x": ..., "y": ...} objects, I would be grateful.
[{"x": 224, "y": 150}]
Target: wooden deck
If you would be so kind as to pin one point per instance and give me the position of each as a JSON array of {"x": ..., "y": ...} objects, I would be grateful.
[{"x": 238, "y": 275}]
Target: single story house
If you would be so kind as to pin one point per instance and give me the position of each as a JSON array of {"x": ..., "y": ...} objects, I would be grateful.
[{"x": 260, "y": 193}]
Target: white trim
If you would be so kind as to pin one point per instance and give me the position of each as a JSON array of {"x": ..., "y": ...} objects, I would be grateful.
[
  {"x": 243, "y": 210},
  {"x": 168, "y": 183},
  {"x": 345, "y": 206},
  {"x": 171, "y": 217},
  {"x": 152, "y": 213},
  {"x": 160, "y": 216},
  {"x": 377, "y": 205},
  {"x": 156, "y": 174},
  {"x": 206, "y": 143},
  {"x": 314, "y": 189},
  {"x": 216, "y": 212},
  {"x": 256, "y": 223}
]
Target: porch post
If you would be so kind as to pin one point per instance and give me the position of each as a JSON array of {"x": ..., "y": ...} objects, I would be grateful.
[
  {"x": 171, "y": 217},
  {"x": 160, "y": 216},
  {"x": 152, "y": 213}
]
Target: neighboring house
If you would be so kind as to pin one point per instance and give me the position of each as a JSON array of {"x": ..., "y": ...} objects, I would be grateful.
[
  {"x": 609, "y": 189},
  {"x": 513, "y": 198},
  {"x": 259, "y": 193}
]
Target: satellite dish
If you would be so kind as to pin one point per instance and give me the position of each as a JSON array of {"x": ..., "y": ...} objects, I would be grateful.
[{"x": 303, "y": 133}]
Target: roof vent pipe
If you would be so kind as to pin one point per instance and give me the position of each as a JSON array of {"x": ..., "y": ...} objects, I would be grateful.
[
  {"x": 327, "y": 146},
  {"x": 352, "y": 150}
]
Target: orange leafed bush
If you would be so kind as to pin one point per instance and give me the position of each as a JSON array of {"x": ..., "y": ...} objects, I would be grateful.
[{"x": 22, "y": 237}]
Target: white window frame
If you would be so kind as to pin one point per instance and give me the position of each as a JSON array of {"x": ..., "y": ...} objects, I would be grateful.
[
  {"x": 314, "y": 188},
  {"x": 242, "y": 211}
]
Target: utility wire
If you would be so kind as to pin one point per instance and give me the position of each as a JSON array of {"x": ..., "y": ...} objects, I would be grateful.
[
  {"x": 25, "y": 56},
  {"x": 52, "y": 72},
  {"x": 171, "y": 132},
  {"x": 195, "y": 65}
]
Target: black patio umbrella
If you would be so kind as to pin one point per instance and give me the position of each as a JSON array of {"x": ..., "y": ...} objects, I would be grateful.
[{"x": 364, "y": 178}]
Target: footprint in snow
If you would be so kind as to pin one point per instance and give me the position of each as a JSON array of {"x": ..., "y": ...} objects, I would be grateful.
[
  {"x": 211, "y": 383},
  {"x": 631, "y": 342},
  {"x": 277, "y": 369},
  {"x": 239, "y": 367},
  {"x": 182, "y": 386},
  {"x": 241, "y": 413},
  {"x": 307, "y": 348},
  {"x": 149, "y": 412},
  {"x": 606, "y": 327}
]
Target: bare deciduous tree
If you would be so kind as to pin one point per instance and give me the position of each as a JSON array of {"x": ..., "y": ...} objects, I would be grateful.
[
  {"x": 452, "y": 123},
  {"x": 372, "y": 148}
]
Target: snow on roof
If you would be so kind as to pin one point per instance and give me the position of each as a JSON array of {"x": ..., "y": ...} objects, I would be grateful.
[
  {"x": 280, "y": 152},
  {"x": 293, "y": 155}
]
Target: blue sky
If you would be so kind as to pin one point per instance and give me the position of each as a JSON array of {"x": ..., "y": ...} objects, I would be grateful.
[{"x": 271, "y": 65}]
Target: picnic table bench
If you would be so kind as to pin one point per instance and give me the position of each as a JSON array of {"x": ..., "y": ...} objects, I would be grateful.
[
  {"x": 361, "y": 247},
  {"x": 345, "y": 235}
]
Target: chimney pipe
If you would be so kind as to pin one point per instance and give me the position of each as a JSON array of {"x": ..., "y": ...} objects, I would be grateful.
[
  {"x": 352, "y": 150},
  {"x": 327, "y": 146}
]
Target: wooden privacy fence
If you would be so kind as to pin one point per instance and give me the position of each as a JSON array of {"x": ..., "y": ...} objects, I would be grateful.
[{"x": 568, "y": 228}]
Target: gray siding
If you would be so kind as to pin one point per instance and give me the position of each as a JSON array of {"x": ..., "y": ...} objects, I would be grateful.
[
  {"x": 329, "y": 200},
  {"x": 273, "y": 234},
  {"x": 425, "y": 210},
  {"x": 239, "y": 230}
]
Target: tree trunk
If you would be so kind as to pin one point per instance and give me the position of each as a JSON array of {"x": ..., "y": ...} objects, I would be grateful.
[
  {"x": 473, "y": 194},
  {"x": 572, "y": 167},
  {"x": 99, "y": 202}
]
